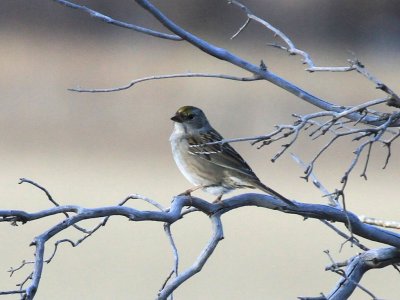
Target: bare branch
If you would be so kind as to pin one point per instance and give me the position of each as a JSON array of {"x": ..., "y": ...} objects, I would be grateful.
[
  {"x": 111, "y": 21},
  {"x": 241, "y": 28},
  {"x": 12, "y": 292},
  {"x": 318, "y": 184},
  {"x": 166, "y": 281},
  {"x": 144, "y": 198},
  {"x": 393, "y": 100},
  {"x": 167, "y": 229},
  {"x": 366, "y": 126},
  {"x": 25, "y": 180},
  {"x": 217, "y": 236},
  {"x": 291, "y": 48},
  {"x": 23, "y": 264},
  {"x": 353, "y": 240},
  {"x": 375, "y": 135},
  {"x": 388, "y": 145},
  {"x": 358, "y": 265},
  {"x": 334, "y": 202},
  {"x": 379, "y": 222},
  {"x": 335, "y": 126},
  {"x": 258, "y": 71},
  {"x": 174, "y": 213},
  {"x": 167, "y": 76},
  {"x": 51, "y": 199}
]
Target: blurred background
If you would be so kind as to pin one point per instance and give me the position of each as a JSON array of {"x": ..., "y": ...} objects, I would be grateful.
[{"x": 95, "y": 149}]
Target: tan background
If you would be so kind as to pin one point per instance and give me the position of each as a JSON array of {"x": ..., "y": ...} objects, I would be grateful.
[{"x": 95, "y": 149}]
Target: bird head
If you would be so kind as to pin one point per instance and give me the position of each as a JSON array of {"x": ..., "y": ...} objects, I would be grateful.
[{"x": 190, "y": 116}]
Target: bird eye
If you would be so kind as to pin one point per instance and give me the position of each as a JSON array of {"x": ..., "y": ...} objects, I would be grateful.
[{"x": 190, "y": 116}]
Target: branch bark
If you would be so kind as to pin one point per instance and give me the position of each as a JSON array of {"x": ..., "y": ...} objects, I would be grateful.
[
  {"x": 174, "y": 213},
  {"x": 225, "y": 55},
  {"x": 358, "y": 266},
  {"x": 109, "y": 20}
]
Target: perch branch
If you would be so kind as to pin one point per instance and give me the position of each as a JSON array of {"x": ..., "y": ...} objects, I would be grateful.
[{"x": 174, "y": 213}]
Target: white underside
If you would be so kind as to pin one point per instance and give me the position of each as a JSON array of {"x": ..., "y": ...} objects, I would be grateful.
[{"x": 185, "y": 167}]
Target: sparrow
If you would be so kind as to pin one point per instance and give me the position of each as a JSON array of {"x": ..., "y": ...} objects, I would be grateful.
[{"x": 214, "y": 167}]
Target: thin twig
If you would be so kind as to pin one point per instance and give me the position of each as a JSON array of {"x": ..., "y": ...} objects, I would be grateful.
[
  {"x": 23, "y": 264},
  {"x": 291, "y": 48},
  {"x": 393, "y": 100},
  {"x": 344, "y": 235},
  {"x": 167, "y": 76},
  {"x": 12, "y": 292},
  {"x": 379, "y": 222},
  {"x": 348, "y": 275},
  {"x": 167, "y": 279},
  {"x": 217, "y": 236},
  {"x": 167, "y": 229},
  {"x": 51, "y": 199}
]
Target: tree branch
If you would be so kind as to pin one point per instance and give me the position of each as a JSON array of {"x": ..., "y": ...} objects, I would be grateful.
[
  {"x": 262, "y": 72},
  {"x": 393, "y": 99},
  {"x": 167, "y": 76},
  {"x": 174, "y": 213},
  {"x": 358, "y": 266},
  {"x": 336, "y": 125},
  {"x": 291, "y": 48},
  {"x": 167, "y": 229},
  {"x": 111, "y": 21},
  {"x": 217, "y": 236}
]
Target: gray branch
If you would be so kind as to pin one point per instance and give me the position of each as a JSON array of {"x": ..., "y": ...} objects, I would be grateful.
[
  {"x": 358, "y": 266},
  {"x": 256, "y": 70},
  {"x": 291, "y": 48},
  {"x": 107, "y": 19},
  {"x": 175, "y": 213},
  {"x": 167, "y": 76},
  {"x": 217, "y": 236},
  {"x": 355, "y": 267}
]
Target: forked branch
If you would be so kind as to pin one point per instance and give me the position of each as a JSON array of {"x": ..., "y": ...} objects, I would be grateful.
[
  {"x": 366, "y": 126},
  {"x": 174, "y": 213}
]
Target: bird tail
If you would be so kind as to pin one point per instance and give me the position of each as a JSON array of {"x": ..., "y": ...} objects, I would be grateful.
[{"x": 270, "y": 191}]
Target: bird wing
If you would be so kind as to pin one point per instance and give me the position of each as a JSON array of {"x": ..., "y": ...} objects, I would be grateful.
[{"x": 203, "y": 146}]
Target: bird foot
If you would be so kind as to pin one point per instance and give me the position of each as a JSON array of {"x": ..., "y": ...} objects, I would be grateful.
[
  {"x": 218, "y": 199},
  {"x": 190, "y": 191},
  {"x": 186, "y": 193}
]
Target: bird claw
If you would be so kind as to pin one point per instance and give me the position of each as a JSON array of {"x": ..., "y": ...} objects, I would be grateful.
[
  {"x": 218, "y": 200},
  {"x": 186, "y": 193}
]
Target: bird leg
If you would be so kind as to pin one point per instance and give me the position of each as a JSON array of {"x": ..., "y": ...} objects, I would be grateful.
[
  {"x": 190, "y": 191},
  {"x": 218, "y": 199}
]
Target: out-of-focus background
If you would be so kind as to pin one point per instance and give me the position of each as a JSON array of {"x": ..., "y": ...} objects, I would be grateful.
[{"x": 95, "y": 149}]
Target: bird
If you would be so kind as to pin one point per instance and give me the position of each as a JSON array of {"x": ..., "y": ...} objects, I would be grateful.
[{"x": 206, "y": 162}]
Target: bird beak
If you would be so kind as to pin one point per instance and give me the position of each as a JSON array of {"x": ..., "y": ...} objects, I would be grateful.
[{"x": 177, "y": 118}]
